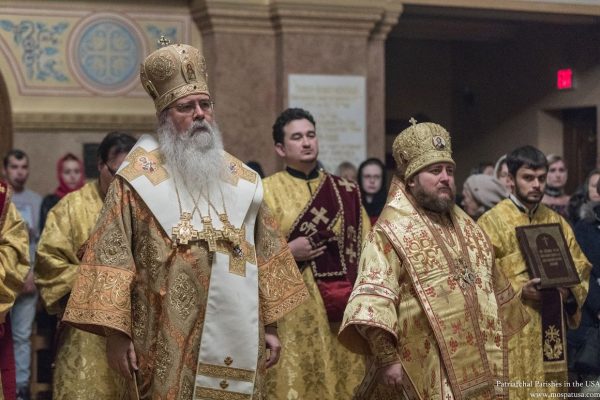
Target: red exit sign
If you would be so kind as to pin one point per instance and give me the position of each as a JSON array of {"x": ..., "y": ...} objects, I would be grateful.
[{"x": 564, "y": 79}]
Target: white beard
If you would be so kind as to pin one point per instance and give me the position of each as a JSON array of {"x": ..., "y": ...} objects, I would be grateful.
[{"x": 195, "y": 155}]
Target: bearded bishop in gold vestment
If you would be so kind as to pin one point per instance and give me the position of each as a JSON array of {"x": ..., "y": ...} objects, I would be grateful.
[
  {"x": 186, "y": 267},
  {"x": 428, "y": 300},
  {"x": 527, "y": 372}
]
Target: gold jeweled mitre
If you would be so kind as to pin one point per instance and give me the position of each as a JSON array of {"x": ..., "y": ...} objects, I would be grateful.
[
  {"x": 173, "y": 72},
  {"x": 421, "y": 145}
]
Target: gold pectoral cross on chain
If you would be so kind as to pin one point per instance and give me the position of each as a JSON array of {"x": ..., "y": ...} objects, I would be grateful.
[
  {"x": 210, "y": 234},
  {"x": 184, "y": 231},
  {"x": 230, "y": 233}
]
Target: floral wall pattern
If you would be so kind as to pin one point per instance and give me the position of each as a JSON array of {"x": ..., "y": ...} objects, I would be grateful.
[{"x": 66, "y": 52}]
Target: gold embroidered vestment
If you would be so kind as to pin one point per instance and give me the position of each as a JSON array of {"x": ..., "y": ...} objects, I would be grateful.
[
  {"x": 429, "y": 281},
  {"x": 81, "y": 369},
  {"x": 314, "y": 365},
  {"x": 14, "y": 257},
  {"x": 133, "y": 280}
]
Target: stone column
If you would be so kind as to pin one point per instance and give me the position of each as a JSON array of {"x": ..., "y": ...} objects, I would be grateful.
[
  {"x": 239, "y": 45},
  {"x": 376, "y": 89}
]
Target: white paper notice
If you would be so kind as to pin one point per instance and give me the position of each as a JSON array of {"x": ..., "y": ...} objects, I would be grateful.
[{"x": 338, "y": 103}]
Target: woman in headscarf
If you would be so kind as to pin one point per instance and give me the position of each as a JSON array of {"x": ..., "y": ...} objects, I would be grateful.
[
  {"x": 501, "y": 173},
  {"x": 556, "y": 180},
  {"x": 372, "y": 184},
  {"x": 480, "y": 193},
  {"x": 71, "y": 176},
  {"x": 585, "y": 193},
  {"x": 587, "y": 233}
]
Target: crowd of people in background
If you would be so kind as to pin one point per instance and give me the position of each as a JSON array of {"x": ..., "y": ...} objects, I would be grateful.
[
  {"x": 488, "y": 185},
  {"x": 374, "y": 282},
  {"x": 33, "y": 209}
]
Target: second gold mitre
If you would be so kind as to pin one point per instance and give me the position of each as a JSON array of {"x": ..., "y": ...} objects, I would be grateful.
[{"x": 421, "y": 145}]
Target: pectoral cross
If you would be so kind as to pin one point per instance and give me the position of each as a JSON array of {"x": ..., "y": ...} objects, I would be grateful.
[
  {"x": 465, "y": 276},
  {"x": 347, "y": 184},
  {"x": 238, "y": 258},
  {"x": 184, "y": 231},
  {"x": 238, "y": 254},
  {"x": 229, "y": 232},
  {"x": 209, "y": 234}
]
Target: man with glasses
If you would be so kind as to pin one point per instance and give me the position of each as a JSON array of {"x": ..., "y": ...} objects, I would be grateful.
[
  {"x": 68, "y": 226},
  {"x": 185, "y": 273}
]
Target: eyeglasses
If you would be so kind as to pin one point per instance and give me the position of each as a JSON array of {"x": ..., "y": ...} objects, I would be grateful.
[{"x": 189, "y": 108}]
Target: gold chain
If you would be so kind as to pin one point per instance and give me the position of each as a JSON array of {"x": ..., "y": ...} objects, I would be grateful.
[
  {"x": 229, "y": 232},
  {"x": 211, "y": 205},
  {"x": 192, "y": 197}
]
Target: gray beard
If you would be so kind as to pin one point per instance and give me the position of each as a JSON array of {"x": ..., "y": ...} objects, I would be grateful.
[{"x": 195, "y": 155}]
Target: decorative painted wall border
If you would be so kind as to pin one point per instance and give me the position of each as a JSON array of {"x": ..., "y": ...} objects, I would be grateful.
[{"x": 62, "y": 52}]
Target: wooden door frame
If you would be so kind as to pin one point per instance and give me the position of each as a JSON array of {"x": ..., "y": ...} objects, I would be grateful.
[{"x": 577, "y": 173}]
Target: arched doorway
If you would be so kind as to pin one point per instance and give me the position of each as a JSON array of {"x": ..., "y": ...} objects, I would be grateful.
[{"x": 6, "y": 127}]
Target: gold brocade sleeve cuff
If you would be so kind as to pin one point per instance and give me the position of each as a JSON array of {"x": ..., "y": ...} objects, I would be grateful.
[
  {"x": 512, "y": 312},
  {"x": 101, "y": 299},
  {"x": 382, "y": 345},
  {"x": 281, "y": 288}
]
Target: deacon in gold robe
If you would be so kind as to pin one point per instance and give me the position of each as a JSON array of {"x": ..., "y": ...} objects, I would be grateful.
[
  {"x": 14, "y": 266},
  {"x": 81, "y": 369},
  {"x": 428, "y": 306},
  {"x": 185, "y": 272},
  {"x": 537, "y": 353},
  {"x": 324, "y": 223}
]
